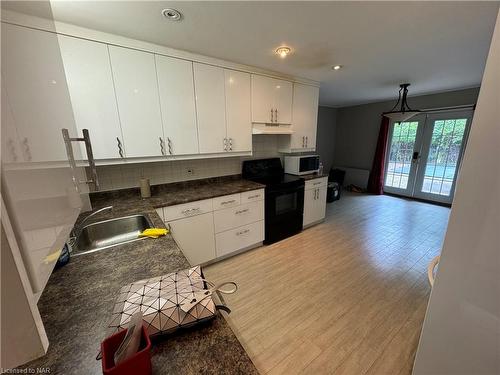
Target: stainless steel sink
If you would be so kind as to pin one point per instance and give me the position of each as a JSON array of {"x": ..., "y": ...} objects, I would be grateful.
[{"x": 108, "y": 233}]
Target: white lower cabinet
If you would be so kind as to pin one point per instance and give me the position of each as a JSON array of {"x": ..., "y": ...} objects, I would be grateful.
[
  {"x": 239, "y": 238},
  {"x": 314, "y": 201},
  {"x": 238, "y": 216},
  {"x": 195, "y": 237},
  {"x": 212, "y": 228}
]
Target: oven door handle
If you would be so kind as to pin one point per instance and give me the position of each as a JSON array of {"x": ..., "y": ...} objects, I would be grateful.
[{"x": 276, "y": 192}]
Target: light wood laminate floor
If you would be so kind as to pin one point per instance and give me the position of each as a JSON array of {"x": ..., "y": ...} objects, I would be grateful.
[{"x": 347, "y": 296}]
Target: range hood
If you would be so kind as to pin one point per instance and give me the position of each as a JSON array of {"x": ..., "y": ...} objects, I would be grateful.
[{"x": 271, "y": 129}]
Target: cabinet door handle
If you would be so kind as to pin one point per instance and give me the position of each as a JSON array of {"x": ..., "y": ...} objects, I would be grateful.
[
  {"x": 120, "y": 149},
  {"x": 224, "y": 142},
  {"x": 303, "y": 142},
  {"x": 12, "y": 149},
  {"x": 272, "y": 112},
  {"x": 191, "y": 211},
  {"x": 228, "y": 202},
  {"x": 253, "y": 196},
  {"x": 27, "y": 152},
  {"x": 242, "y": 232},
  {"x": 241, "y": 211},
  {"x": 161, "y": 146},
  {"x": 275, "y": 115},
  {"x": 307, "y": 141},
  {"x": 169, "y": 144},
  {"x": 230, "y": 144}
]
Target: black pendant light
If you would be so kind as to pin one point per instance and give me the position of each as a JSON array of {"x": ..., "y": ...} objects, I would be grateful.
[{"x": 405, "y": 112}]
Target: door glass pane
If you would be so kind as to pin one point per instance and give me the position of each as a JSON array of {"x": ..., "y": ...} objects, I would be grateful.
[
  {"x": 444, "y": 151},
  {"x": 400, "y": 154}
]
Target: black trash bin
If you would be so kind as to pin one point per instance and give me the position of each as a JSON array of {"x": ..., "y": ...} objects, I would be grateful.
[{"x": 332, "y": 192}]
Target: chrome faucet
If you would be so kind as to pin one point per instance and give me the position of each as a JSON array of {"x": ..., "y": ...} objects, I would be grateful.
[{"x": 77, "y": 229}]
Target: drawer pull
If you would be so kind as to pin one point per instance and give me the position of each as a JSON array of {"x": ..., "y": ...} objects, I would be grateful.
[
  {"x": 241, "y": 211},
  {"x": 229, "y": 202},
  {"x": 317, "y": 183},
  {"x": 191, "y": 211},
  {"x": 253, "y": 196},
  {"x": 242, "y": 232}
]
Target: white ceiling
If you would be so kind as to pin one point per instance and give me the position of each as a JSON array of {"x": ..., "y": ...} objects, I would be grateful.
[{"x": 437, "y": 46}]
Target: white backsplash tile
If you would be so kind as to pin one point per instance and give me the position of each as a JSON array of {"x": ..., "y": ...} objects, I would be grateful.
[{"x": 112, "y": 177}]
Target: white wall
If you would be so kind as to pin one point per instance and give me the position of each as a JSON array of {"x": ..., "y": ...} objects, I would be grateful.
[
  {"x": 325, "y": 139},
  {"x": 461, "y": 333}
]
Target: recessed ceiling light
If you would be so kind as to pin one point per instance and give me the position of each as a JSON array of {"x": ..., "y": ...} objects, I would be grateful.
[
  {"x": 172, "y": 14},
  {"x": 336, "y": 67},
  {"x": 283, "y": 51}
]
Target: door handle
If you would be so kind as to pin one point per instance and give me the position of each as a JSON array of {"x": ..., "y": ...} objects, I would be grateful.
[
  {"x": 90, "y": 156},
  {"x": 415, "y": 157}
]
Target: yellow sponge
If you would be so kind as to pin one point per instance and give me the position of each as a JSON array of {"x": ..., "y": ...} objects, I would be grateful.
[{"x": 153, "y": 232}]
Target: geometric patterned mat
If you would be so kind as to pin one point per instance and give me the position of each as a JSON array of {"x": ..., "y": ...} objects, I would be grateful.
[{"x": 160, "y": 299}]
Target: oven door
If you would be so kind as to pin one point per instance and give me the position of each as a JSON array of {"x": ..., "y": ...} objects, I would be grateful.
[
  {"x": 308, "y": 164},
  {"x": 284, "y": 213}
]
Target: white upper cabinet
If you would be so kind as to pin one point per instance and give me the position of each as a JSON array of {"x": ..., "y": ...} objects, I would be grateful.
[
  {"x": 90, "y": 84},
  {"x": 238, "y": 111},
  {"x": 11, "y": 148},
  {"x": 283, "y": 94},
  {"x": 271, "y": 100},
  {"x": 178, "y": 109},
  {"x": 305, "y": 116},
  {"x": 262, "y": 99},
  {"x": 305, "y": 120},
  {"x": 210, "y": 108},
  {"x": 136, "y": 88},
  {"x": 35, "y": 83}
]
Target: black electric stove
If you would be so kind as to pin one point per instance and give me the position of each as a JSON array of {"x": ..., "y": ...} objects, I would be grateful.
[{"x": 284, "y": 197}]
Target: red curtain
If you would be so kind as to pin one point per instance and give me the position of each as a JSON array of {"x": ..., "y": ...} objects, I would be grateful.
[{"x": 376, "y": 180}]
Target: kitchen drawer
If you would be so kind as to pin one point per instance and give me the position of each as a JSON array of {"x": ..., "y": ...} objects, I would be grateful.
[
  {"x": 187, "y": 209},
  {"x": 239, "y": 238},
  {"x": 252, "y": 196},
  {"x": 226, "y": 201},
  {"x": 316, "y": 183},
  {"x": 237, "y": 216}
]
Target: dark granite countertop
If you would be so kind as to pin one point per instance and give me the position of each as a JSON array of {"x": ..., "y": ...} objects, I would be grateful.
[
  {"x": 177, "y": 193},
  {"x": 78, "y": 300}
]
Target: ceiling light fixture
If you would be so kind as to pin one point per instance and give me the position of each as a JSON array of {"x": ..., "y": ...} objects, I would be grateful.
[
  {"x": 405, "y": 112},
  {"x": 283, "y": 51},
  {"x": 172, "y": 14},
  {"x": 336, "y": 67}
]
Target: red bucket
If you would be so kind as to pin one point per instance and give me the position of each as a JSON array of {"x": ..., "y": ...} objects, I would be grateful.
[{"x": 138, "y": 364}]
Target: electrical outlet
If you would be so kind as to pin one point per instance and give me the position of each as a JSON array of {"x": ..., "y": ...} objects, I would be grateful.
[{"x": 190, "y": 171}]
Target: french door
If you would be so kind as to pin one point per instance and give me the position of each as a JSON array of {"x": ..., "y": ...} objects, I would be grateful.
[{"x": 424, "y": 155}]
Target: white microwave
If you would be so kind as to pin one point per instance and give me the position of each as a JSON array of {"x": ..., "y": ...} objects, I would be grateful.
[{"x": 301, "y": 164}]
